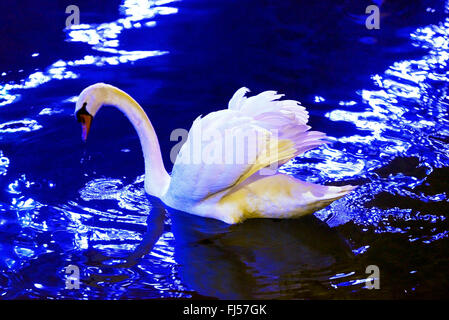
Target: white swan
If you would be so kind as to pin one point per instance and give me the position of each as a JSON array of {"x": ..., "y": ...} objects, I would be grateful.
[{"x": 228, "y": 192}]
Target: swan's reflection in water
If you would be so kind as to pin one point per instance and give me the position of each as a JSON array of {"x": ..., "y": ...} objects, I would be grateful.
[
  {"x": 260, "y": 258},
  {"x": 95, "y": 258}
]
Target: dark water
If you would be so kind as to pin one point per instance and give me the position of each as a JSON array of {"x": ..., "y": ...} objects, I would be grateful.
[{"x": 382, "y": 95}]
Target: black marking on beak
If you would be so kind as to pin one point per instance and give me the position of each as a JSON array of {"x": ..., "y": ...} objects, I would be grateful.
[
  {"x": 82, "y": 111},
  {"x": 85, "y": 118}
]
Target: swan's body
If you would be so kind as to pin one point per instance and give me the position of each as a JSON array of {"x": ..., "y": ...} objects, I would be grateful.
[{"x": 231, "y": 192}]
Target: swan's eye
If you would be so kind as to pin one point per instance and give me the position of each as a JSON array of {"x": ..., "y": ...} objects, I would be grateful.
[{"x": 82, "y": 111}]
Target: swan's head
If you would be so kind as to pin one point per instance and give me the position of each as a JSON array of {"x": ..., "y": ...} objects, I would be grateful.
[{"x": 89, "y": 102}]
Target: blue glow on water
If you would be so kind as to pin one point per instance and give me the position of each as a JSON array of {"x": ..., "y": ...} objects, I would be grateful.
[{"x": 63, "y": 203}]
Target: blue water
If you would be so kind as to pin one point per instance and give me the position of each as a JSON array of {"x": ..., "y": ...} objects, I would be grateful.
[{"x": 381, "y": 95}]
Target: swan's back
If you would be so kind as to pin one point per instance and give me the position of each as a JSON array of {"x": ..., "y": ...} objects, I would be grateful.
[{"x": 274, "y": 132}]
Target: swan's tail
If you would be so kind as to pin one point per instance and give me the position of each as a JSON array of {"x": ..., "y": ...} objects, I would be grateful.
[
  {"x": 324, "y": 199},
  {"x": 335, "y": 193}
]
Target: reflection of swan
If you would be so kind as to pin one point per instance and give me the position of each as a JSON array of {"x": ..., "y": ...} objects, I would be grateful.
[
  {"x": 155, "y": 228},
  {"x": 229, "y": 187},
  {"x": 261, "y": 258}
]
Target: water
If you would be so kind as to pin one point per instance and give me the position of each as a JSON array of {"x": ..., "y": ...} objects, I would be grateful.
[{"x": 382, "y": 95}]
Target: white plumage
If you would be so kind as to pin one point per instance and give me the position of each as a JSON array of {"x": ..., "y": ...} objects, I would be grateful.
[{"x": 221, "y": 170}]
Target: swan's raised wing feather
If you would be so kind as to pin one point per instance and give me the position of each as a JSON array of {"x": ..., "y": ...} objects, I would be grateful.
[
  {"x": 286, "y": 118},
  {"x": 273, "y": 131}
]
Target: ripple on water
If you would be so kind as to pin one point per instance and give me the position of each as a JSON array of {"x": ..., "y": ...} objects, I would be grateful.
[
  {"x": 102, "y": 189},
  {"x": 130, "y": 197}
]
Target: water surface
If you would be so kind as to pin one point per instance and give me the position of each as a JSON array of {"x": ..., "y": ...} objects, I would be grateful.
[{"x": 381, "y": 95}]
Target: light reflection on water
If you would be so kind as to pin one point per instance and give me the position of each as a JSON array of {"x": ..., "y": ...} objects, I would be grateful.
[
  {"x": 131, "y": 247},
  {"x": 102, "y": 37},
  {"x": 401, "y": 118}
]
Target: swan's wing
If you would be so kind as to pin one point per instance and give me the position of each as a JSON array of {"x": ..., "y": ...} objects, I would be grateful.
[
  {"x": 226, "y": 147},
  {"x": 223, "y": 149},
  {"x": 285, "y": 118}
]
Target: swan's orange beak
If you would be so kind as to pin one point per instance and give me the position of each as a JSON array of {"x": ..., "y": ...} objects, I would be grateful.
[{"x": 86, "y": 121}]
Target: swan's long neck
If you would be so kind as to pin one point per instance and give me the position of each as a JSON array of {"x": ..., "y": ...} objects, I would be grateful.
[{"x": 157, "y": 179}]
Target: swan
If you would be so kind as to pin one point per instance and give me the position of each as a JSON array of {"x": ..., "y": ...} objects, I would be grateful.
[{"x": 228, "y": 191}]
